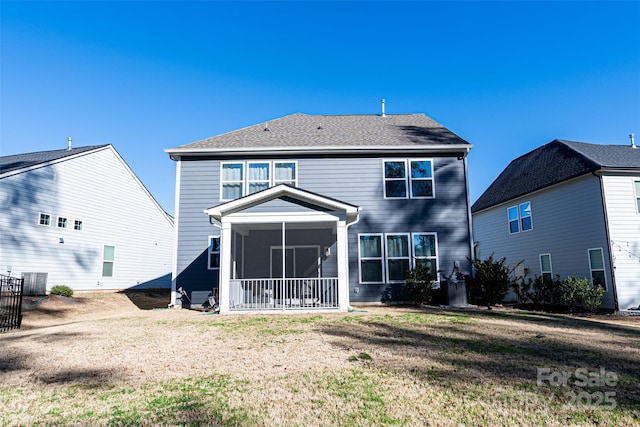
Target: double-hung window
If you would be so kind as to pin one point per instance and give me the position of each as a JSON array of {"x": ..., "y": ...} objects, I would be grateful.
[
  {"x": 398, "y": 259},
  {"x": 596, "y": 265},
  {"x": 411, "y": 178},
  {"x": 519, "y": 218},
  {"x": 242, "y": 178},
  {"x": 637, "y": 188},
  {"x": 108, "y": 260},
  {"x": 214, "y": 253},
  {"x": 424, "y": 252},
  {"x": 370, "y": 253},
  {"x": 386, "y": 258},
  {"x": 545, "y": 267},
  {"x": 62, "y": 222}
]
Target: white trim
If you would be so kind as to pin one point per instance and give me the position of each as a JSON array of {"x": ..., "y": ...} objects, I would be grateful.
[
  {"x": 385, "y": 179},
  {"x": 113, "y": 262},
  {"x": 381, "y": 258},
  {"x": 176, "y": 210},
  {"x": 432, "y": 178},
  {"x": 414, "y": 257},
  {"x": 636, "y": 191},
  {"x": 519, "y": 219},
  {"x": 408, "y": 180},
  {"x": 241, "y": 181},
  {"x": 65, "y": 222},
  {"x": 77, "y": 222},
  {"x": 245, "y": 182}
]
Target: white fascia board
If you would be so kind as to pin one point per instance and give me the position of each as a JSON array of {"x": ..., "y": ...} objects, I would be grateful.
[
  {"x": 277, "y": 217},
  {"x": 279, "y": 151}
]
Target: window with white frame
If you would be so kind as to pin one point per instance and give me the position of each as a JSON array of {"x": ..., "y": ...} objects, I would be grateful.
[
  {"x": 519, "y": 218},
  {"x": 45, "y": 219},
  {"x": 370, "y": 262},
  {"x": 214, "y": 253},
  {"x": 637, "y": 188},
  {"x": 77, "y": 225},
  {"x": 242, "y": 178},
  {"x": 386, "y": 258},
  {"x": 596, "y": 265},
  {"x": 425, "y": 252},
  {"x": 62, "y": 222},
  {"x": 108, "y": 260},
  {"x": 397, "y": 255},
  {"x": 411, "y": 178},
  {"x": 545, "y": 267}
]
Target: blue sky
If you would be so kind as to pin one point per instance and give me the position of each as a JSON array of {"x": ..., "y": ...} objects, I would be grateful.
[{"x": 506, "y": 76}]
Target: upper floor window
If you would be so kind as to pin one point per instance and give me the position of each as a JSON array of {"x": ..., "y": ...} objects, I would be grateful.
[
  {"x": 408, "y": 179},
  {"x": 596, "y": 265},
  {"x": 62, "y": 222},
  {"x": 520, "y": 218},
  {"x": 45, "y": 219},
  {"x": 77, "y": 225},
  {"x": 545, "y": 267},
  {"x": 637, "y": 187},
  {"x": 243, "y": 178},
  {"x": 214, "y": 253}
]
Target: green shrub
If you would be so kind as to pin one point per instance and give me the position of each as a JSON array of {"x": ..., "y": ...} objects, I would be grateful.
[
  {"x": 418, "y": 285},
  {"x": 490, "y": 282},
  {"x": 580, "y": 293},
  {"x": 62, "y": 290}
]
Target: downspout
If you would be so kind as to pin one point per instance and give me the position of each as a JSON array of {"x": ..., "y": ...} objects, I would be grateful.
[
  {"x": 469, "y": 216},
  {"x": 606, "y": 229},
  {"x": 176, "y": 227},
  {"x": 349, "y": 308}
]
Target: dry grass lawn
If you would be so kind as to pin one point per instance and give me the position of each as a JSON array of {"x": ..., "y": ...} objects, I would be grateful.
[{"x": 121, "y": 359}]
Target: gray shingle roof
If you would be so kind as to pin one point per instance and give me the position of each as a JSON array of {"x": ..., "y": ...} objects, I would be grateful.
[
  {"x": 302, "y": 131},
  {"x": 553, "y": 163},
  {"x": 19, "y": 161}
]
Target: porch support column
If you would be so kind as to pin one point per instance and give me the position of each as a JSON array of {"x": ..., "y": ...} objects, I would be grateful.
[
  {"x": 343, "y": 266},
  {"x": 225, "y": 267}
]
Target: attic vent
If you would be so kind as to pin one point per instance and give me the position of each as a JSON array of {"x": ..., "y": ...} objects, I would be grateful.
[
  {"x": 69, "y": 143},
  {"x": 266, "y": 127},
  {"x": 633, "y": 141},
  {"x": 382, "y": 104}
]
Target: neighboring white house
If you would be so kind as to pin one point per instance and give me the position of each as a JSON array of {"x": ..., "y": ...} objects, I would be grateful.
[
  {"x": 83, "y": 217},
  {"x": 568, "y": 208}
]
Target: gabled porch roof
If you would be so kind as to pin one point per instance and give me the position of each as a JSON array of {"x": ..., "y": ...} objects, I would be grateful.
[{"x": 287, "y": 192}]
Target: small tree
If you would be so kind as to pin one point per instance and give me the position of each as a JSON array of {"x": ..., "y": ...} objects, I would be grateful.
[
  {"x": 419, "y": 285},
  {"x": 490, "y": 282}
]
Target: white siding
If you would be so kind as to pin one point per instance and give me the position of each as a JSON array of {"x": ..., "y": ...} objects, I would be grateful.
[
  {"x": 624, "y": 231},
  {"x": 98, "y": 189},
  {"x": 568, "y": 219}
]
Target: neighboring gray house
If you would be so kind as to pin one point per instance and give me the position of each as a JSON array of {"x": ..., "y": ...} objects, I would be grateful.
[
  {"x": 568, "y": 208},
  {"x": 317, "y": 211},
  {"x": 83, "y": 217}
]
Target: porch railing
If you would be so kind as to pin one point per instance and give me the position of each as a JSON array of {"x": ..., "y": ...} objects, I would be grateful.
[
  {"x": 10, "y": 303},
  {"x": 283, "y": 294}
]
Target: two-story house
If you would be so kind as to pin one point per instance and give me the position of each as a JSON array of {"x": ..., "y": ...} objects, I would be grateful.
[
  {"x": 318, "y": 211},
  {"x": 80, "y": 217},
  {"x": 568, "y": 208}
]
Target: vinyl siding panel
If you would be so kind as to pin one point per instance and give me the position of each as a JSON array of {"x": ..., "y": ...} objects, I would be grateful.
[
  {"x": 98, "y": 189},
  {"x": 568, "y": 219},
  {"x": 356, "y": 180},
  {"x": 624, "y": 231}
]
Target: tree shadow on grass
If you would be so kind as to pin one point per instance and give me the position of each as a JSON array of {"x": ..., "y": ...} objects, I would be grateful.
[
  {"x": 149, "y": 299},
  {"x": 493, "y": 347}
]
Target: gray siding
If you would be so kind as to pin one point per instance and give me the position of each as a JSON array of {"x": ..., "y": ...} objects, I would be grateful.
[
  {"x": 98, "y": 189},
  {"x": 568, "y": 219},
  {"x": 355, "y": 180}
]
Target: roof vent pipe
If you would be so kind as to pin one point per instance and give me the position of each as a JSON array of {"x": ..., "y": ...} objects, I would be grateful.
[
  {"x": 382, "y": 102},
  {"x": 69, "y": 142},
  {"x": 633, "y": 141}
]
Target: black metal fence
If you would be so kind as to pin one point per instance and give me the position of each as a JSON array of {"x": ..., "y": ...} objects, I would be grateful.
[{"x": 10, "y": 302}]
